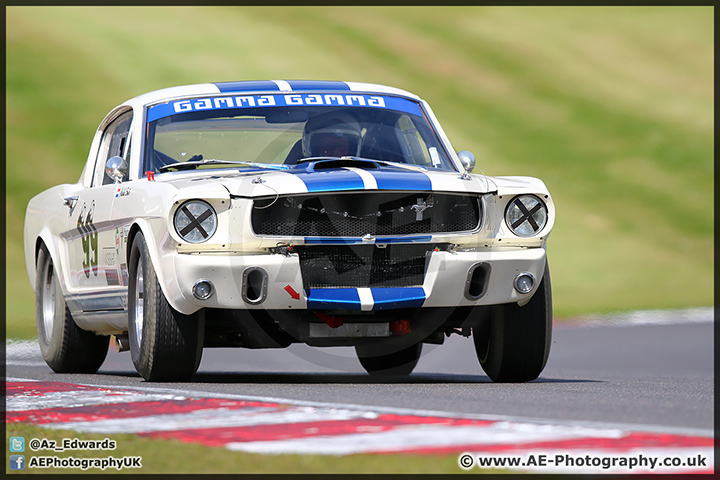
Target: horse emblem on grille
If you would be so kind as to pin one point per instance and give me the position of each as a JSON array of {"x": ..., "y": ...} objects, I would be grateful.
[{"x": 421, "y": 206}]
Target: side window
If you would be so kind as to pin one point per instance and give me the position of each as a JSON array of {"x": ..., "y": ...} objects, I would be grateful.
[
  {"x": 412, "y": 142},
  {"x": 115, "y": 142}
]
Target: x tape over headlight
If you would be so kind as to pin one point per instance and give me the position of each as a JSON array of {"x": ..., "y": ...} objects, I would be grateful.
[
  {"x": 195, "y": 221},
  {"x": 526, "y": 215}
]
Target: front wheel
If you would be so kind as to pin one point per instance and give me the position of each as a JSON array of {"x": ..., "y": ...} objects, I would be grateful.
[
  {"x": 513, "y": 344},
  {"x": 65, "y": 347},
  {"x": 379, "y": 362},
  {"x": 165, "y": 345}
]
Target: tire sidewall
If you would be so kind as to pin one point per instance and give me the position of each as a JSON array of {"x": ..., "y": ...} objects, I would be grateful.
[
  {"x": 490, "y": 348},
  {"x": 51, "y": 350},
  {"x": 138, "y": 349},
  {"x": 70, "y": 349},
  {"x": 509, "y": 340},
  {"x": 395, "y": 362},
  {"x": 158, "y": 356}
]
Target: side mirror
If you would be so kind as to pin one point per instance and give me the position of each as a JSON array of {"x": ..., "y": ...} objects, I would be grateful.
[
  {"x": 467, "y": 159},
  {"x": 116, "y": 168}
]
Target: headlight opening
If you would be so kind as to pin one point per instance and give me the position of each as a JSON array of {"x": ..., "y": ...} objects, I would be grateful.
[
  {"x": 526, "y": 215},
  {"x": 195, "y": 221}
]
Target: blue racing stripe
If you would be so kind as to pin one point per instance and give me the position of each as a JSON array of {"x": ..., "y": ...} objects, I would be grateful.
[
  {"x": 331, "y": 180},
  {"x": 391, "y": 298},
  {"x": 421, "y": 239},
  {"x": 251, "y": 86},
  {"x": 333, "y": 240},
  {"x": 401, "y": 180},
  {"x": 331, "y": 298},
  {"x": 360, "y": 241},
  {"x": 298, "y": 85}
]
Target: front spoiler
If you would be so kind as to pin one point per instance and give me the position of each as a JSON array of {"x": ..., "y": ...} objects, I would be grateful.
[{"x": 445, "y": 284}]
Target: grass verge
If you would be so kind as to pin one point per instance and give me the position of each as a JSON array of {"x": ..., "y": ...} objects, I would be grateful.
[{"x": 175, "y": 457}]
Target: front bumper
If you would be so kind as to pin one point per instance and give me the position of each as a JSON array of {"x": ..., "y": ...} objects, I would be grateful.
[{"x": 274, "y": 282}]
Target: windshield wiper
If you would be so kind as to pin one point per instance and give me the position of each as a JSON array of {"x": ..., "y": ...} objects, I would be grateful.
[
  {"x": 401, "y": 164},
  {"x": 380, "y": 162},
  {"x": 214, "y": 161}
]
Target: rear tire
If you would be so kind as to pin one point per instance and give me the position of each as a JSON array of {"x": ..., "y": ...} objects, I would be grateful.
[
  {"x": 514, "y": 342},
  {"x": 165, "y": 345},
  {"x": 65, "y": 347},
  {"x": 401, "y": 362}
]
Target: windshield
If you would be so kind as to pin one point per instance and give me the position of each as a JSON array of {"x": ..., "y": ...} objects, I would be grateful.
[{"x": 283, "y": 130}]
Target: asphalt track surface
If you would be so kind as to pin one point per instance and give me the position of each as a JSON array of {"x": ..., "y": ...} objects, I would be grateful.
[{"x": 658, "y": 376}]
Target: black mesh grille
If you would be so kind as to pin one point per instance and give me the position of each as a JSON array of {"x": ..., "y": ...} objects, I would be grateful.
[
  {"x": 357, "y": 266},
  {"x": 357, "y": 214}
]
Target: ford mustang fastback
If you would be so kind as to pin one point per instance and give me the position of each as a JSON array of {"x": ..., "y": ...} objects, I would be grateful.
[{"x": 259, "y": 214}]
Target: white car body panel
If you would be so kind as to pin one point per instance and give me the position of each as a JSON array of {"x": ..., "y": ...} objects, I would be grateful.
[{"x": 94, "y": 276}]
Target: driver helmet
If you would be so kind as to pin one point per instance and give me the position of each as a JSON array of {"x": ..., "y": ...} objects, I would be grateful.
[{"x": 333, "y": 134}]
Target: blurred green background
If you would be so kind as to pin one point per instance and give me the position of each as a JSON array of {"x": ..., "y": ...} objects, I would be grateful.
[{"x": 611, "y": 106}]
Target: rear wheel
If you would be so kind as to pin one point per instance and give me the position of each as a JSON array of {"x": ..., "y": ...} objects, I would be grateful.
[
  {"x": 378, "y": 362},
  {"x": 65, "y": 347},
  {"x": 514, "y": 343},
  {"x": 165, "y": 345}
]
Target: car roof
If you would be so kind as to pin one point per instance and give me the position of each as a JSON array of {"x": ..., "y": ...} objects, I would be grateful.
[{"x": 264, "y": 86}]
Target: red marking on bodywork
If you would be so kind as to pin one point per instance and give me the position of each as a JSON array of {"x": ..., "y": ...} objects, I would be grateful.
[
  {"x": 292, "y": 292},
  {"x": 400, "y": 327},
  {"x": 333, "y": 322}
]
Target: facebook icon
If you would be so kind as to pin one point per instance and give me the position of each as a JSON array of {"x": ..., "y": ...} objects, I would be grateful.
[{"x": 17, "y": 462}]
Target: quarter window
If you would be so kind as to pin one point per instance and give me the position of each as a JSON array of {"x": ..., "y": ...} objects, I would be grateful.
[{"x": 115, "y": 142}]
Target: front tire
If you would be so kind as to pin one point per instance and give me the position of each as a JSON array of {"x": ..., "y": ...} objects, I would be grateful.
[
  {"x": 513, "y": 344},
  {"x": 165, "y": 345},
  {"x": 65, "y": 347},
  {"x": 377, "y": 362}
]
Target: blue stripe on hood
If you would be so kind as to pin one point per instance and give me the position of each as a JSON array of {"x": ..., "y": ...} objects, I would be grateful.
[
  {"x": 331, "y": 180},
  {"x": 392, "y": 178},
  {"x": 337, "y": 179}
]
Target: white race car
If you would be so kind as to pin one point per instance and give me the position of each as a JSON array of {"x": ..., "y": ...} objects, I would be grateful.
[{"x": 264, "y": 213}]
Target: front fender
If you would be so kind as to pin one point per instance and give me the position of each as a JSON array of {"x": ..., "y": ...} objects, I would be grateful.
[{"x": 161, "y": 249}]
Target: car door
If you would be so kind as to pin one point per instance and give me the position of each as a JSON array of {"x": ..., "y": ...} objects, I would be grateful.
[{"x": 96, "y": 278}]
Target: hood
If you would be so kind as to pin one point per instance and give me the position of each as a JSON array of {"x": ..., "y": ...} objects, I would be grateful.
[
  {"x": 335, "y": 175},
  {"x": 517, "y": 185}
]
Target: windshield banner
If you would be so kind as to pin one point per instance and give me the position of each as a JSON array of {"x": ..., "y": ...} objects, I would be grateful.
[{"x": 254, "y": 101}]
